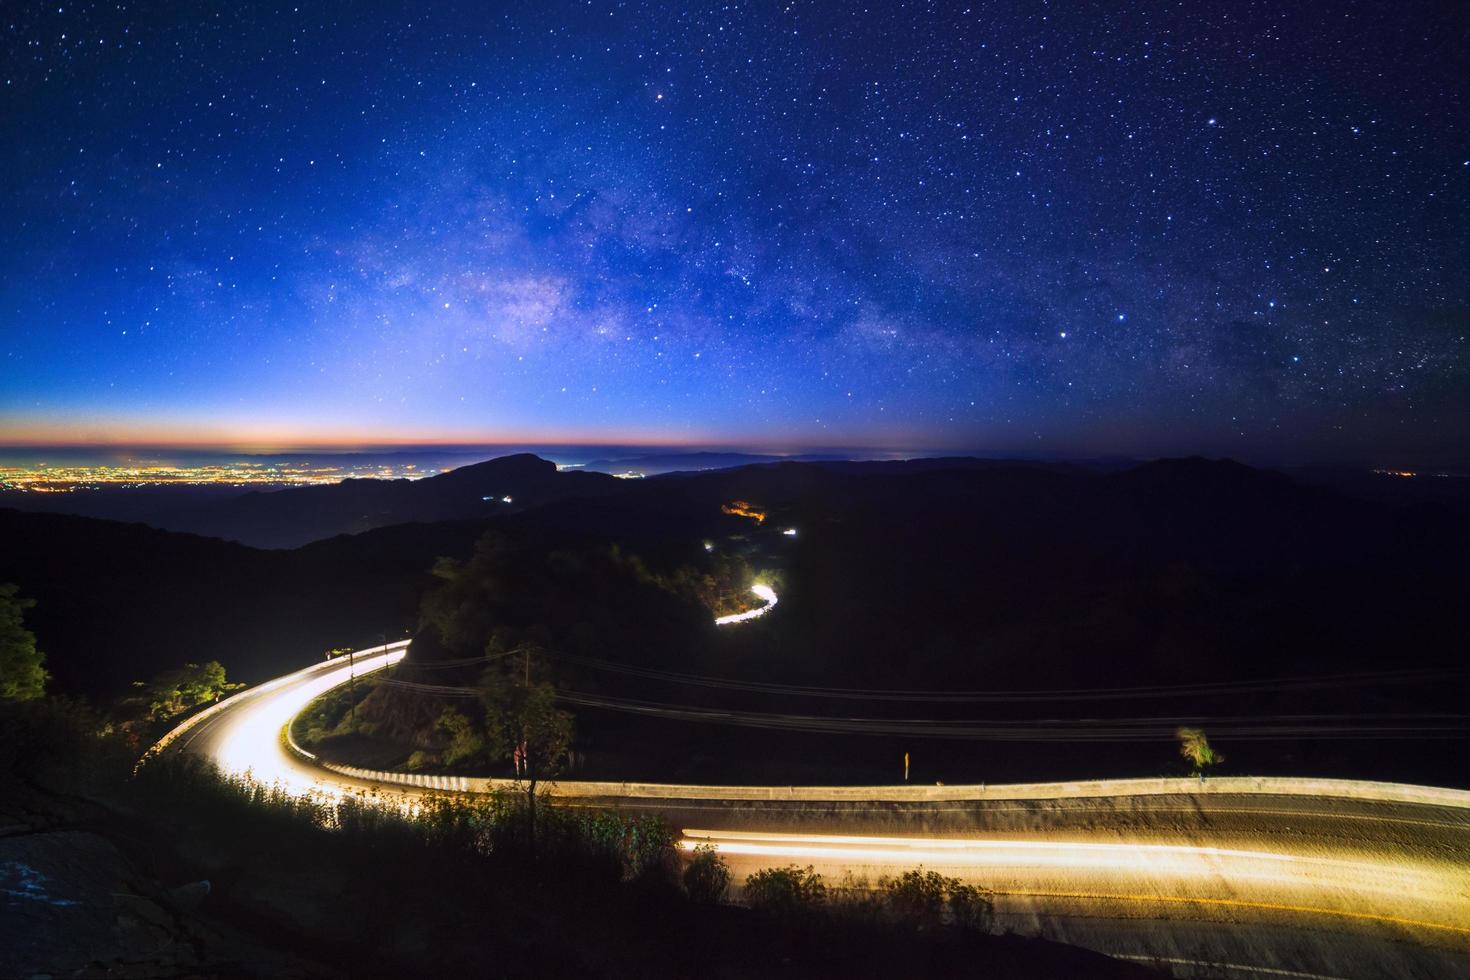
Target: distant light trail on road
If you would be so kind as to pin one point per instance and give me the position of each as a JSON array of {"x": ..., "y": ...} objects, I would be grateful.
[
  {"x": 247, "y": 735},
  {"x": 765, "y": 593}
]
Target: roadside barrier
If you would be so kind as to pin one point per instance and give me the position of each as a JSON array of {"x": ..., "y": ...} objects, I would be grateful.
[{"x": 1164, "y": 786}]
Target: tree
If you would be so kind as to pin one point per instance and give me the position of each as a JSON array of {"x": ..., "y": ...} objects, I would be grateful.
[
  {"x": 175, "y": 691},
  {"x": 916, "y": 897},
  {"x": 22, "y": 674},
  {"x": 928, "y": 899},
  {"x": 524, "y": 726},
  {"x": 590, "y": 601},
  {"x": 1197, "y": 749},
  {"x": 465, "y": 745}
]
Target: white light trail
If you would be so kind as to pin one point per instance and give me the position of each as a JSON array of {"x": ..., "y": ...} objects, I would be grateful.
[
  {"x": 766, "y": 594},
  {"x": 251, "y": 736}
]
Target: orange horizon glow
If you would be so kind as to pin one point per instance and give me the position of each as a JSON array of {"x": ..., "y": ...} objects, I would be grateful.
[{"x": 121, "y": 435}]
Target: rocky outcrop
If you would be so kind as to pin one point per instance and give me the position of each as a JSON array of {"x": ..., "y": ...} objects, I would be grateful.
[{"x": 72, "y": 904}]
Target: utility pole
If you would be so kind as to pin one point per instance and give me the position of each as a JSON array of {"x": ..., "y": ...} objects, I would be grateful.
[{"x": 351, "y": 687}]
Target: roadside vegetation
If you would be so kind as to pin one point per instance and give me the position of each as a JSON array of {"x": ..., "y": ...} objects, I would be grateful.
[
  {"x": 180, "y": 689},
  {"x": 22, "y": 672},
  {"x": 367, "y": 883},
  {"x": 510, "y": 627},
  {"x": 1195, "y": 748},
  {"x": 470, "y": 886},
  {"x": 918, "y": 899},
  {"x": 334, "y": 715}
]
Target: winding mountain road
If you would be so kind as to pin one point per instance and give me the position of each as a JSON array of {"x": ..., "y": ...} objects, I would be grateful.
[{"x": 1234, "y": 877}]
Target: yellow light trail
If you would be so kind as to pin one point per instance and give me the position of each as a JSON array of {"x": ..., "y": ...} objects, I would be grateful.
[
  {"x": 1394, "y": 884},
  {"x": 1410, "y": 893}
]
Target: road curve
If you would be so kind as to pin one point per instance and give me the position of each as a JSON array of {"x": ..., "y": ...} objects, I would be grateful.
[
  {"x": 767, "y": 596},
  {"x": 1237, "y": 877}
]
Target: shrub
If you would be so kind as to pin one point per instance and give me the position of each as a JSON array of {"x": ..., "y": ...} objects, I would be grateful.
[
  {"x": 1195, "y": 747},
  {"x": 916, "y": 897},
  {"x": 59, "y": 736},
  {"x": 786, "y": 891},
  {"x": 852, "y": 899},
  {"x": 421, "y": 760},
  {"x": 639, "y": 847},
  {"x": 707, "y": 878},
  {"x": 926, "y": 899},
  {"x": 971, "y": 907}
]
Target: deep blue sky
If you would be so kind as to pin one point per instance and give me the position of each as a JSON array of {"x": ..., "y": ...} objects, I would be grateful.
[{"x": 1233, "y": 228}]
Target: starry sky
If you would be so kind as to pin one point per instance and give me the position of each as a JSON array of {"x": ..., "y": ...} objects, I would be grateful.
[{"x": 1233, "y": 228}]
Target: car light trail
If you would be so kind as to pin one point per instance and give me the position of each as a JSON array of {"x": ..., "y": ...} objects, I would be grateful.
[
  {"x": 247, "y": 736},
  {"x": 766, "y": 595},
  {"x": 247, "y": 730},
  {"x": 1348, "y": 862},
  {"x": 1417, "y": 893},
  {"x": 1153, "y": 860}
]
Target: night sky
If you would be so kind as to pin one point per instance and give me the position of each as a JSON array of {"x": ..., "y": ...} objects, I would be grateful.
[{"x": 1231, "y": 228}]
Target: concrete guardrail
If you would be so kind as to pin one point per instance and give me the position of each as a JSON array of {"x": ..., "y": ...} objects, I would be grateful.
[{"x": 1162, "y": 786}]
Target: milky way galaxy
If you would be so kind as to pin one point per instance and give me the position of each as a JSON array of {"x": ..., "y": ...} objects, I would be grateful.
[{"x": 1233, "y": 228}]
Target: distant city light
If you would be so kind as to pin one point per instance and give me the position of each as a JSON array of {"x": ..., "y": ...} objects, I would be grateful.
[
  {"x": 790, "y": 532},
  {"x": 50, "y": 478}
]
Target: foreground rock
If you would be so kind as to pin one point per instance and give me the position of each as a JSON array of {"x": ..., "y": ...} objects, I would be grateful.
[{"x": 73, "y": 905}]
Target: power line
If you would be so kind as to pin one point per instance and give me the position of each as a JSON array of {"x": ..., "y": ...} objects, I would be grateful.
[
  {"x": 1125, "y": 729},
  {"x": 1203, "y": 688},
  {"x": 1136, "y": 729},
  {"x": 1068, "y": 730},
  {"x": 468, "y": 661},
  {"x": 1215, "y": 688}
]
